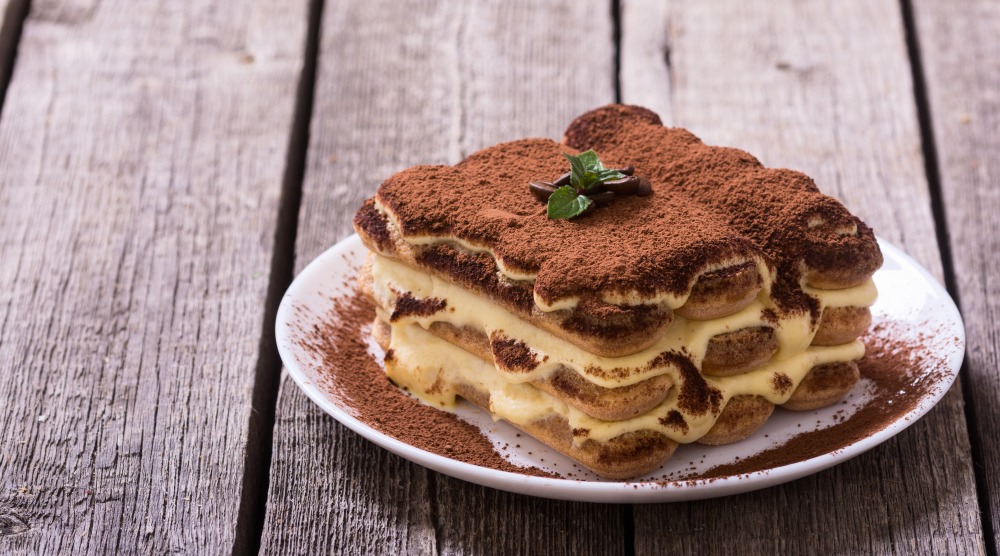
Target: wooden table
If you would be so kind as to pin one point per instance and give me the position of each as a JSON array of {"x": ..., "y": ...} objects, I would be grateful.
[{"x": 167, "y": 166}]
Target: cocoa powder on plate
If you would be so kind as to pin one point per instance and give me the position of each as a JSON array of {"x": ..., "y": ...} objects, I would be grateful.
[
  {"x": 904, "y": 363},
  {"x": 348, "y": 371}
]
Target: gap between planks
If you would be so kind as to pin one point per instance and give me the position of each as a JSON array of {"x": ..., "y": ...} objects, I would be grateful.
[
  {"x": 929, "y": 146},
  {"x": 10, "y": 35},
  {"x": 616, "y": 23},
  {"x": 628, "y": 510},
  {"x": 267, "y": 379}
]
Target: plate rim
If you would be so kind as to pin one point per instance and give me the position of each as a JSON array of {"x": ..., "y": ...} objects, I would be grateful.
[{"x": 609, "y": 491}]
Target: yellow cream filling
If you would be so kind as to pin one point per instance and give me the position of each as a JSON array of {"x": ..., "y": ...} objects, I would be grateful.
[
  {"x": 430, "y": 367},
  {"x": 464, "y": 308}
]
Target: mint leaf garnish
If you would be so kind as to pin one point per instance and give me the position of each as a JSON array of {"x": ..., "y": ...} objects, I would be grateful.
[
  {"x": 608, "y": 175},
  {"x": 587, "y": 170},
  {"x": 565, "y": 202},
  {"x": 577, "y": 170}
]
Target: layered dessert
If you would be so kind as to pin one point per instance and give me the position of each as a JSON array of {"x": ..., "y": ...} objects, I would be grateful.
[{"x": 620, "y": 292}]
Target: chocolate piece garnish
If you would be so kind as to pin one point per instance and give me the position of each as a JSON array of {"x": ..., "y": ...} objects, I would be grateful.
[
  {"x": 624, "y": 186},
  {"x": 645, "y": 188},
  {"x": 586, "y": 178},
  {"x": 563, "y": 180},
  {"x": 541, "y": 190},
  {"x": 604, "y": 198}
]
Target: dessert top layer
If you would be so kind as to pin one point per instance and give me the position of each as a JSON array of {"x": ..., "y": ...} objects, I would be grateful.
[
  {"x": 711, "y": 207},
  {"x": 651, "y": 245}
]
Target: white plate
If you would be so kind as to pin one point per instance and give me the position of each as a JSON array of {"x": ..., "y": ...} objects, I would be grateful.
[{"x": 907, "y": 293}]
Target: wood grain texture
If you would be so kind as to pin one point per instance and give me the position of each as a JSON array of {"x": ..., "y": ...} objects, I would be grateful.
[
  {"x": 479, "y": 520},
  {"x": 338, "y": 493},
  {"x": 425, "y": 83},
  {"x": 961, "y": 62},
  {"x": 143, "y": 147},
  {"x": 822, "y": 87}
]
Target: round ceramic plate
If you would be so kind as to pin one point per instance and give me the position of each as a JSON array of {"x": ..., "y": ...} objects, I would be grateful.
[{"x": 907, "y": 294}]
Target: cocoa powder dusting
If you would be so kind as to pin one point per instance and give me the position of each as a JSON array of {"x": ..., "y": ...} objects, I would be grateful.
[
  {"x": 675, "y": 420},
  {"x": 409, "y": 306},
  {"x": 781, "y": 383},
  {"x": 696, "y": 396},
  {"x": 781, "y": 211},
  {"x": 649, "y": 244},
  {"x": 350, "y": 372},
  {"x": 512, "y": 355}
]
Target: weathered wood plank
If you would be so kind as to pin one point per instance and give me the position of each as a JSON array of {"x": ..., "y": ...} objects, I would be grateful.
[
  {"x": 423, "y": 83},
  {"x": 479, "y": 520},
  {"x": 961, "y": 62},
  {"x": 143, "y": 147},
  {"x": 338, "y": 493},
  {"x": 823, "y": 87}
]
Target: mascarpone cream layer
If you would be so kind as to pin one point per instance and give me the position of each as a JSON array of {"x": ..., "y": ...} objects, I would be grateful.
[
  {"x": 689, "y": 337},
  {"x": 430, "y": 367}
]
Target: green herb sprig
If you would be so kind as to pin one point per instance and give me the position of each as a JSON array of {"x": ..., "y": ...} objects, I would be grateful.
[{"x": 586, "y": 173}]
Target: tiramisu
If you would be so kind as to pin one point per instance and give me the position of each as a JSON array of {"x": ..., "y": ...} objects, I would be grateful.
[{"x": 625, "y": 290}]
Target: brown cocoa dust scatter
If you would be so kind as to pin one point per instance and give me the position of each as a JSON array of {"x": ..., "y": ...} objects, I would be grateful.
[
  {"x": 675, "y": 420},
  {"x": 349, "y": 371},
  {"x": 512, "y": 355},
  {"x": 781, "y": 383},
  {"x": 902, "y": 373},
  {"x": 696, "y": 396},
  {"x": 408, "y": 306},
  {"x": 709, "y": 205}
]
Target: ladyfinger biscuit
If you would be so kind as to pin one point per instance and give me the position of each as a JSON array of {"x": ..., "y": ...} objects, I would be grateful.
[
  {"x": 609, "y": 404},
  {"x": 737, "y": 352},
  {"x": 722, "y": 292},
  {"x": 626, "y": 456},
  {"x": 840, "y": 325},
  {"x": 823, "y": 386},
  {"x": 742, "y": 416}
]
